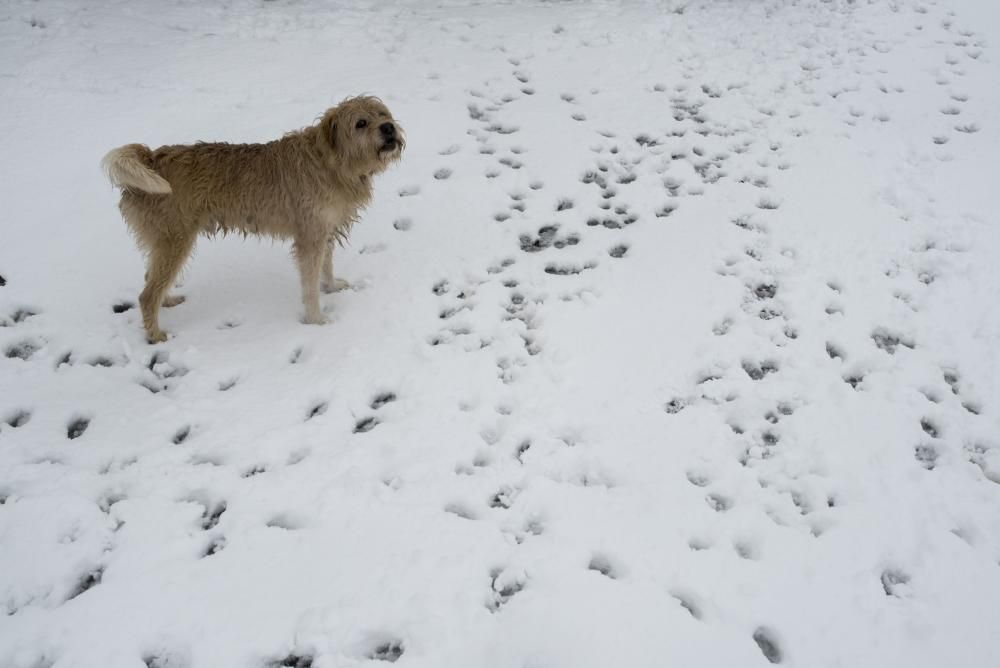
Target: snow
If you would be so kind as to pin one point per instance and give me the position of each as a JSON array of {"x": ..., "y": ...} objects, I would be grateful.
[{"x": 672, "y": 341}]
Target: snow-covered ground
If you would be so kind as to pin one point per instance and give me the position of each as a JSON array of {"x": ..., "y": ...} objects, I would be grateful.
[{"x": 673, "y": 342}]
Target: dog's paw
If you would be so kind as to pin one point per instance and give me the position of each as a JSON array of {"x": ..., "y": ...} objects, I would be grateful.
[
  {"x": 173, "y": 300},
  {"x": 337, "y": 285},
  {"x": 158, "y": 336},
  {"x": 315, "y": 319}
]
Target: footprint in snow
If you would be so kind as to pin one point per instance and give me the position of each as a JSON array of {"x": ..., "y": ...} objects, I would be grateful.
[
  {"x": 365, "y": 425},
  {"x": 18, "y": 419},
  {"x": 87, "y": 581},
  {"x": 181, "y": 435},
  {"x": 23, "y": 350},
  {"x": 293, "y": 660},
  {"x": 76, "y": 427},
  {"x": 768, "y": 645},
  {"x": 316, "y": 410},
  {"x": 602, "y": 564},
  {"x": 18, "y": 316},
  {"x": 388, "y": 650},
  {"x": 382, "y": 399},
  {"x": 926, "y": 455}
]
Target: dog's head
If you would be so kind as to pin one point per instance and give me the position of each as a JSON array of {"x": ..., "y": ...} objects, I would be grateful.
[{"x": 362, "y": 135}]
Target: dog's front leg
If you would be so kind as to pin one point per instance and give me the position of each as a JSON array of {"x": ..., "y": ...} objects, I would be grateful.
[
  {"x": 329, "y": 283},
  {"x": 310, "y": 259}
]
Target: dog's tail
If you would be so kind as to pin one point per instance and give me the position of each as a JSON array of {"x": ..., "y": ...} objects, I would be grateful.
[{"x": 130, "y": 167}]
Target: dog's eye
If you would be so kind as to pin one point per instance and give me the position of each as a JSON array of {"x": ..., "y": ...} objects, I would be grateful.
[{"x": 361, "y": 124}]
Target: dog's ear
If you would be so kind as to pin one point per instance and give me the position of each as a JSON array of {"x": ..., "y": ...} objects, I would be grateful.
[{"x": 328, "y": 128}]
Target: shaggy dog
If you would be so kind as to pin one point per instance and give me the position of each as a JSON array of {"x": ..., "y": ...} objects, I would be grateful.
[{"x": 307, "y": 186}]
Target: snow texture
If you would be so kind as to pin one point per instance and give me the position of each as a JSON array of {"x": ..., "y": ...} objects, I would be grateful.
[{"x": 672, "y": 342}]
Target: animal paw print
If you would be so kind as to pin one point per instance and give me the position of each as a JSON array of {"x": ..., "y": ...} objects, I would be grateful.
[
  {"x": 23, "y": 350},
  {"x": 504, "y": 585},
  {"x": 17, "y": 419}
]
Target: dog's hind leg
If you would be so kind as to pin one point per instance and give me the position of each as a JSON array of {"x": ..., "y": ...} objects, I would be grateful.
[
  {"x": 169, "y": 301},
  {"x": 310, "y": 257},
  {"x": 166, "y": 257},
  {"x": 330, "y": 284}
]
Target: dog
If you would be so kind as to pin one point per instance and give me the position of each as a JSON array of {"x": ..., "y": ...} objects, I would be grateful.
[{"x": 309, "y": 186}]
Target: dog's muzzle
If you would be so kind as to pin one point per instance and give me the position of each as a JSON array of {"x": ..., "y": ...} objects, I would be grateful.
[{"x": 388, "y": 132}]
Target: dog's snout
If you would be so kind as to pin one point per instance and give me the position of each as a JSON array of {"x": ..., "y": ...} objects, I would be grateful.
[{"x": 387, "y": 129}]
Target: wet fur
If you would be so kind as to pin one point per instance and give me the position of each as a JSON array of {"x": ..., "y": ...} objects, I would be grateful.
[{"x": 308, "y": 186}]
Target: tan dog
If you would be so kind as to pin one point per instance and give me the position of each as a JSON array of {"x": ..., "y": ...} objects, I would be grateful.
[{"x": 307, "y": 186}]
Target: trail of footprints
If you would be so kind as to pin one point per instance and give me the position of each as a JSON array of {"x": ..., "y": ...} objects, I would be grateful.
[
  {"x": 76, "y": 429},
  {"x": 617, "y": 167},
  {"x": 679, "y": 170},
  {"x": 687, "y": 160},
  {"x": 765, "y": 270},
  {"x": 958, "y": 49}
]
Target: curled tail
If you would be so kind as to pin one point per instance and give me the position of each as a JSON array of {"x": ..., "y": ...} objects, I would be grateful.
[{"x": 130, "y": 167}]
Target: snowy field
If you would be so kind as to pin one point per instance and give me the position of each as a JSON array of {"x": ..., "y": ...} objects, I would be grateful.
[{"x": 673, "y": 341}]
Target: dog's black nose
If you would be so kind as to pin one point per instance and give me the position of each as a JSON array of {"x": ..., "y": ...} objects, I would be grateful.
[{"x": 387, "y": 129}]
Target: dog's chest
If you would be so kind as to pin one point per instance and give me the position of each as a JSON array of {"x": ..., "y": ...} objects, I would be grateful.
[{"x": 336, "y": 220}]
